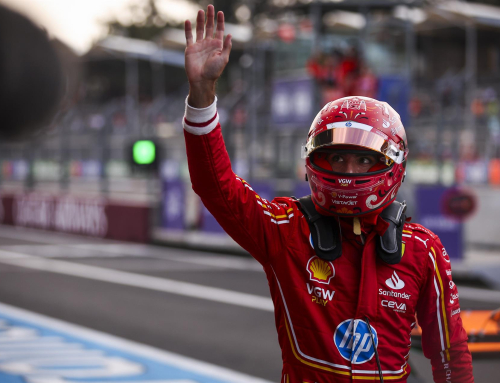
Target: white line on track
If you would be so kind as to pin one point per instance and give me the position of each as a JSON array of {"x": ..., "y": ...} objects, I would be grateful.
[
  {"x": 120, "y": 249},
  {"x": 187, "y": 257},
  {"x": 45, "y": 236},
  {"x": 226, "y": 262},
  {"x": 137, "y": 280},
  {"x": 177, "y": 287},
  {"x": 132, "y": 347}
]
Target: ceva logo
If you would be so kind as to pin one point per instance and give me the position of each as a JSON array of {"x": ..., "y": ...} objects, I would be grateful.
[{"x": 394, "y": 282}]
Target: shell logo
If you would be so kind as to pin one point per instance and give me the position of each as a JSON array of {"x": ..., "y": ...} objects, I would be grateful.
[{"x": 319, "y": 270}]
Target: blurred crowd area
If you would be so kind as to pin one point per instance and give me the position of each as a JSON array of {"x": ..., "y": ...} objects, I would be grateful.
[
  {"x": 436, "y": 62},
  {"x": 340, "y": 74}
]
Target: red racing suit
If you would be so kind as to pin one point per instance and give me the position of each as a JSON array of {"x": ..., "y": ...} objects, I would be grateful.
[{"x": 321, "y": 307}]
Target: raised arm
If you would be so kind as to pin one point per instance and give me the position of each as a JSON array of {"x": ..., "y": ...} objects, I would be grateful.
[
  {"x": 205, "y": 58},
  {"x": 256, "y": 224}
]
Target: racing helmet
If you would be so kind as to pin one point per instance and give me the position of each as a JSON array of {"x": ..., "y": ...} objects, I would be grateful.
[{"x": 359, "y": 124}]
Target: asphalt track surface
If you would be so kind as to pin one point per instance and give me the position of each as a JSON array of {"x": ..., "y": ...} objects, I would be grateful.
[{"x": 211, "y": 307}]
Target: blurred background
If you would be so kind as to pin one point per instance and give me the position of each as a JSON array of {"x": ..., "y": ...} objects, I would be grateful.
[
  {"x": 436, "y": 62},
  {"x": 110, "y": 163}
]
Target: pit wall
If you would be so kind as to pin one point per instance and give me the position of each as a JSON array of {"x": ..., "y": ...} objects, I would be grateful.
[{"x": 90, "y": 216}]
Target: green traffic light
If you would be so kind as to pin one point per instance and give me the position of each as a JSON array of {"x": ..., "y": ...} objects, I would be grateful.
[{"x": 144, "y": 152}]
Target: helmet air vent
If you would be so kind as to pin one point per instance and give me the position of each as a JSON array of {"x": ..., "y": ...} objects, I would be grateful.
[{"x": 359, "y": 182}]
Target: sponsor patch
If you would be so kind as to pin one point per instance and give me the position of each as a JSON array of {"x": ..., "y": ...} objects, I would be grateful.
[
  {"x": 348, "y": 203},
  {"x": 445, "y": 255},
  {"x": 319, "y": 270},
  {"x": 394, "y": 282},
  {"x": 454, "y": 312},
  {"x": 394, "y": 294},
  {"x": 344, "y": 181},
  {"x": 353, "y": 341},
  {"x": 395, "y": 306},
  {"x": 320, "y": 295}
]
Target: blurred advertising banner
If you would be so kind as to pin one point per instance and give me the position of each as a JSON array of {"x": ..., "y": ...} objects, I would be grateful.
[
  {"x": 431, "y": 204},
  {"x": 292, "y": 102},
  {"x": 209, "y": 224},
  {"x": 301, "y": 189},
  {"x": 477, "y": 172},
  {"x": 95, "y": 217},
  {"x": 395, "y": 90},
  {"x": 173, "y": 205}
]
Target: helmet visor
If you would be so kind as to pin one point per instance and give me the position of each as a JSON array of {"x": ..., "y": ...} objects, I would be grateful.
[
  {"x": 358, "y": 137},
  {"x": 334, "y": 159}
]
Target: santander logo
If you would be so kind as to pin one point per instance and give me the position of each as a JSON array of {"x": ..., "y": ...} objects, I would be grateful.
[{"x": 394, "y": 282}]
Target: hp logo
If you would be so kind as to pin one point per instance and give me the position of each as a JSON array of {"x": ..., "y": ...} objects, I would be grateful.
[
  {"x": 354, "y": 342},
  {"x": 348, "y": 124}
]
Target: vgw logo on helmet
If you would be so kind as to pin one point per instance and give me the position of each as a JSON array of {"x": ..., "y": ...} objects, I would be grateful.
[
  {"x": 319, "y": 270},
  {"x": 354, "y": 342},
  {"x": 344, "y": 181}
]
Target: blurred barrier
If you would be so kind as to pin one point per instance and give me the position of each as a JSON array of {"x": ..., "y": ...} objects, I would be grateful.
[
  {"x": 478, "y": 172},
  {"x": 173, "y": 206},
  {"x": 395, "y": 90},
  {"x": 292, "y": 102},
  {"x": 430, "y": 200},
  {"x": 494, "y": 171},
  {"x": 17, "y": 170},
  {"x": 209, "y": 224},
  {"x": 200, "y": 229},
  {"x": 205, "y": 230},
  {"x": 301, "y": 189},
  {"x": 95, "y": 217},
  {"x": 473, "y": 172}
]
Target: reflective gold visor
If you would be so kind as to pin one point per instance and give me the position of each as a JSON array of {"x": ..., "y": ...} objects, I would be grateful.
[{"x": 358, "y": 137}]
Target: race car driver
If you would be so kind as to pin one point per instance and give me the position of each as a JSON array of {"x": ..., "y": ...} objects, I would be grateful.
[{"x": 348, "y": 275}]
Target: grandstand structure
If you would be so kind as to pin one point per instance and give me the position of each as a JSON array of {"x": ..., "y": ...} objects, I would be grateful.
[{"x": 437, "y": 62}]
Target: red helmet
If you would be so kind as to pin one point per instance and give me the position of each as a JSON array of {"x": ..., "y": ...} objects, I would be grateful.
[{"x": 357, "y": 123}]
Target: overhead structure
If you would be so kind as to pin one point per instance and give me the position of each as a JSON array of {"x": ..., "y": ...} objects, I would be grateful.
[{"x": 139, "y": 49}]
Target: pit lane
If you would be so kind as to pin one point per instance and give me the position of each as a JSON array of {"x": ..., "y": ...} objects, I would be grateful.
[{"x": 205, "y": 306}]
